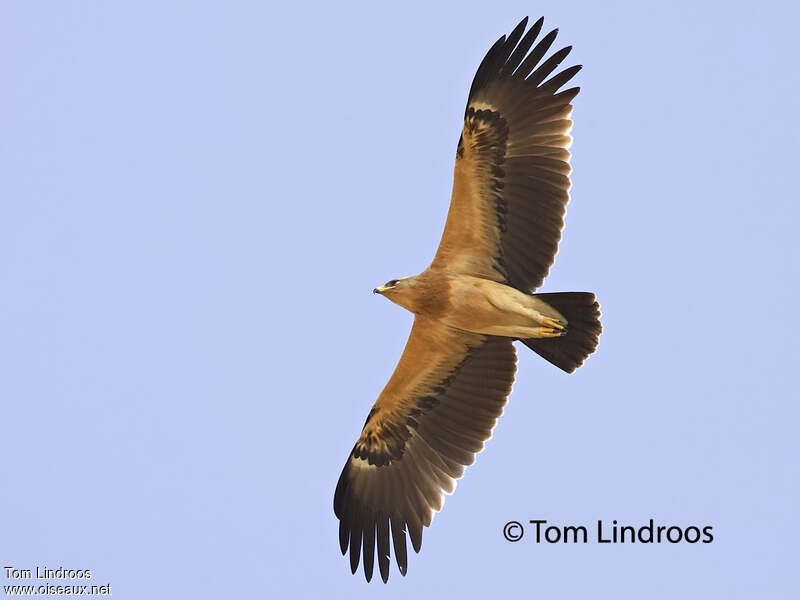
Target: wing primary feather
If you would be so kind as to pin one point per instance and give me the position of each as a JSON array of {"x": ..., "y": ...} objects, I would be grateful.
[
  {"x": 355, "y": 536},
  {"x": 341, "y": 508},
  {"x": 344, "y": 536},
  {"x": 484, "y": 71},
  {"x": 522, "y": 49},
  {"x": 415, "y": 532},
  {"x": 511, "y": 42},
  {"x": 341, "y": 491},
  {"x": 383, "y": 545},
  {"x": 548, "y": 66},
  {"x": 399, "y": 541},
  {"x": 568, "y": 95},
  {"x": 536, "y": 55},
  {"x": 369, "y": 542},
  {"x": 556, "y": 81}
]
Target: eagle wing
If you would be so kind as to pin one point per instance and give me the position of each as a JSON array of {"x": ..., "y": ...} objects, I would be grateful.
[
  {"x": 511, "y": 183},
  {"x": 433, "y": 416}
]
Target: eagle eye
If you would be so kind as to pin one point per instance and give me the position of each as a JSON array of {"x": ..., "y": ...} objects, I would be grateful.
[{"x": 391, "y": 283}]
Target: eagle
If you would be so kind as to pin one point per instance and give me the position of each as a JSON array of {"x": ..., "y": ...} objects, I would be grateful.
[{"x": 510, "y": 191}]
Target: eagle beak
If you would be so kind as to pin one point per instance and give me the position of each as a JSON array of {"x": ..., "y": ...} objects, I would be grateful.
[{"x": 380, "y": 290}]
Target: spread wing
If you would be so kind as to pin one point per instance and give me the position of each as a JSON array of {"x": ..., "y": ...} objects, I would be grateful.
[
  {"x": 511, "y": 183},
  {"x": 430, "y": 420}
]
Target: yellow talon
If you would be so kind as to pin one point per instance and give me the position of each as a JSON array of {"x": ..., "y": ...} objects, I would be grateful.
[{"x": 553, "y": 323}]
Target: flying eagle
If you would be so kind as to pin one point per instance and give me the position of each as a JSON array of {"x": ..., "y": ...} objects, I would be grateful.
[{"x": 510, "y": 191}]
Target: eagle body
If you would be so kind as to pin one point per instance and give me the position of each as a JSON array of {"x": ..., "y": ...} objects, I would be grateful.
[
  {"x": 476, "y": 305},
  {"x": 478, "y": 296}
]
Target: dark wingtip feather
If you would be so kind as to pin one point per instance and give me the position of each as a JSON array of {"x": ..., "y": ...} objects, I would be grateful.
[
  {"x": 517, "y": 31},
  {"x": 340, "y": 508},
  {"x": 513, "y": 61},
  {"x": 536, "y": 55},
  {"x": 511, "y": 57},
  {"x": 356, "y": 525},
  {"x": 399, "y": 540},
  {"x": 568, "y": 95},
  {"x": 484, "y": 72},
  {"x": 515, "y": 35},
  {"x": 559, "y": 79},
  {"x": 415, "y": 531},
  {"x": 344, "y": 537},
  {"x": 383, "y": 545},
  {"x": 341, "y": 491},
  {"x": 548, "y": 66},
  {"x": 369, "y": 543},
  {"x": 355, "y": 555}
]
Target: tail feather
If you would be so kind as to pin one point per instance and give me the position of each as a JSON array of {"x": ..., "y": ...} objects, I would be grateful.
[{"x": 582, "y": 313}]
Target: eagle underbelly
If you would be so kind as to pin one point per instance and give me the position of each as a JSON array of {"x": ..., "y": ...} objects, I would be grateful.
[{"x": 492, "y": 308}]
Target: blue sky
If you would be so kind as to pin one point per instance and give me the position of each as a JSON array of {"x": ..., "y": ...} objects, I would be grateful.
[{"x": 197, "y": 200}]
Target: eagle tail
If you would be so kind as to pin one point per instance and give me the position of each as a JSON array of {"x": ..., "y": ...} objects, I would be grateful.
[{"x": 582, "y": 313}]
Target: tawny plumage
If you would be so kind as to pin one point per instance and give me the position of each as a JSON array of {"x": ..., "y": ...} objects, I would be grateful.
[{"x": 510, "y": 190}]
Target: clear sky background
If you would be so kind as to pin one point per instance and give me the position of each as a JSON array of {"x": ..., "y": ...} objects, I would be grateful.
[{"x": 197, "y": 199}]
